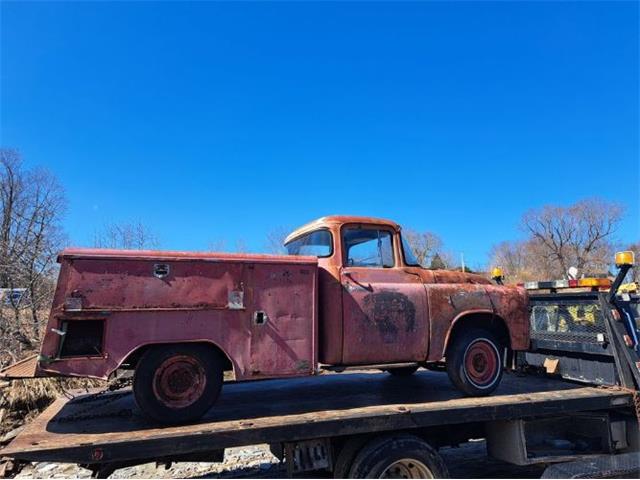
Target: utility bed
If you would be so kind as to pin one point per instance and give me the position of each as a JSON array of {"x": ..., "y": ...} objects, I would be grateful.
[{"x": 110, "y": 428}]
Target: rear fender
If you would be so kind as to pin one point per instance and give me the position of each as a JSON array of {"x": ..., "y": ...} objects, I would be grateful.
[
  {"x": 512, "y": 305},
  {"x": 134, "y": 354}
]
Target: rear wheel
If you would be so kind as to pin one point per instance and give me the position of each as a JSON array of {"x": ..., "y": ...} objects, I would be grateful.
[
  {"x": 402, "y": 371},
  {"x": 474, "y": 362},
  {"x": 398, "y": 456},
  {"x": 177, "y": 383}
]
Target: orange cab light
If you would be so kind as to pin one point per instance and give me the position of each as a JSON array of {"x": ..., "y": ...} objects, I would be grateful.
[
  {"x": 625, "y": 258},
  {"x": 594, "y": 282}
]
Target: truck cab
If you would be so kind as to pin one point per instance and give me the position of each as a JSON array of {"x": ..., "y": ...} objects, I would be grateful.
[{"x": 377, "y": 304}]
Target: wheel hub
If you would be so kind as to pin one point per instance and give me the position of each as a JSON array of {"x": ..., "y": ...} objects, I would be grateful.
[
  {"x": 480, "y": 363},
  {"x": 407, "y": 468},
  {"x": 179, "y": 381}
]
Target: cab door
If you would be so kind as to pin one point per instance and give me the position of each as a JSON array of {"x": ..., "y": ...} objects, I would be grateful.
[{"x": 385, "y": 311}]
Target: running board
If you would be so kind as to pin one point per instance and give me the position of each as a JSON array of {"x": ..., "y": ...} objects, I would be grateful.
[{"x": 376, "y": 366}]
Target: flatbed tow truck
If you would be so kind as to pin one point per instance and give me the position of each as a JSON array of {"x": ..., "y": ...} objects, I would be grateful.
[{"x": 572, "y": 406}]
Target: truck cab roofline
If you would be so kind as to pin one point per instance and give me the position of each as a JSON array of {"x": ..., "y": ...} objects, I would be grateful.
[{"x": 332, "y": 220}]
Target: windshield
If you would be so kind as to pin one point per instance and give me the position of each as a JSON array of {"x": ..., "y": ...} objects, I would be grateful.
[{"x": 409, "y": 257}]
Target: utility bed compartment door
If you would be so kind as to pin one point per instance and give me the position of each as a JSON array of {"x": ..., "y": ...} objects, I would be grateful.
[{"x": 282, "y": 309}]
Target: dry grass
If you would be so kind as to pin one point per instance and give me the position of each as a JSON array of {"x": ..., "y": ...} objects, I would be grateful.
[{"x": 23, "y": 400}]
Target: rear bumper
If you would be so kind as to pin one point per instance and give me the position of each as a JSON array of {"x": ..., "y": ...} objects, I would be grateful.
[{"x": 27, "y": 368}]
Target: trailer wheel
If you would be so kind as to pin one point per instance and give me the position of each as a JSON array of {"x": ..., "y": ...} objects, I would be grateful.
[
  {"x": 474, "y": 362},
  {"x": 398, "y": 456},
  {"x": 402, "y": 371},
  {"x": 177, "y": 383}
]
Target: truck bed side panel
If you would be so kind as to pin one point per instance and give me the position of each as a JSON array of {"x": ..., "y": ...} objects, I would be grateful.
[{"x": 261, "y": 315}]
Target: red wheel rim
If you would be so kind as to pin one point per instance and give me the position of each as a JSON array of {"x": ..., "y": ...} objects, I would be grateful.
[
  {"x": 481, "y": 363},
  {"x": 179, "y": 381}
]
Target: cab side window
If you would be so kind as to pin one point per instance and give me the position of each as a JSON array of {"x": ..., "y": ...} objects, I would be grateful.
[
  {"x": 366, "y": 247},
  {"x": 316, "y": 244}
]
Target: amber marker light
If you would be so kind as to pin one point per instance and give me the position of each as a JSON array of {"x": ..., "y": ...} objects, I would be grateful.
[
  {"x": 496, "y": 275},
  {"x": 594, "y": 282},
  {"x": 625, "y": 258}
]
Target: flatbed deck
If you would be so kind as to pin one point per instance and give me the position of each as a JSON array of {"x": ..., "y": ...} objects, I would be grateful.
[{"x": 290, "y": 410}]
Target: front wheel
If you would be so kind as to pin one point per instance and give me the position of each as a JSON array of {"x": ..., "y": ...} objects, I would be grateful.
[
  {"x": 474, "y": 362},
  {"x": 177, "y": 383}
]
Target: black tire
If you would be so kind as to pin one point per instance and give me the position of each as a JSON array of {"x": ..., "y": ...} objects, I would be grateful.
[
  {"x": 398, "y": 456},
  {"x": 346, "y": 453},
  {"x": 402, "y": 371},
  {"x": 474, "y": 362},
  {"x": 177, "y": 383}
]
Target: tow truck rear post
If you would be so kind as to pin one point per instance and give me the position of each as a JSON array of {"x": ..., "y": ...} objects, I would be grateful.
[{"x": 375, "y": 425}]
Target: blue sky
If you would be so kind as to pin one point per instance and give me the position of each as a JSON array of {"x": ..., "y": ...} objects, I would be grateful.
[{"x": 212, "y": 121}]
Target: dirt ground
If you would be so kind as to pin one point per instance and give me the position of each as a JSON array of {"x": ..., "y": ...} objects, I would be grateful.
[{"x": 468, "y": 461}]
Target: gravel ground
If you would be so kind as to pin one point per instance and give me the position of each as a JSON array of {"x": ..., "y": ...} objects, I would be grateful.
[{"x": 468, "y": 461}]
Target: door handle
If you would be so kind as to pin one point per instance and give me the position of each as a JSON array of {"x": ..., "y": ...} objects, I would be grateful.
[{"x": 367, "y": 287}]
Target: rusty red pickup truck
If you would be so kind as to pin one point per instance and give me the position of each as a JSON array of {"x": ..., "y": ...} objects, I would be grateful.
[{"x": 350, "y": 293}]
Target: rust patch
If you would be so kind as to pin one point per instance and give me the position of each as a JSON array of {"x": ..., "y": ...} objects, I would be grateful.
[{"x": 388, "y": 311}]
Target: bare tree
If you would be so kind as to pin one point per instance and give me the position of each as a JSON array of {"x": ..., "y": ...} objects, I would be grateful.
[
  {"x": 510, "y": 256},
  {"x": 448, "y": 258},
  {"x": 241, "y": 246},
  {"x": 275, "y": 240},
  {"x": 217, "y": 245},
  {"x": 559, "y": 237},
  {"x": 523, "y": 261},
  {"x": 579, "y": 235},
  {"x": 131, "y": 236},
  {"x": 220, "y": 245},
  {"x": 424, "y": 245},
  {"x": 32, "y": 203}
]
